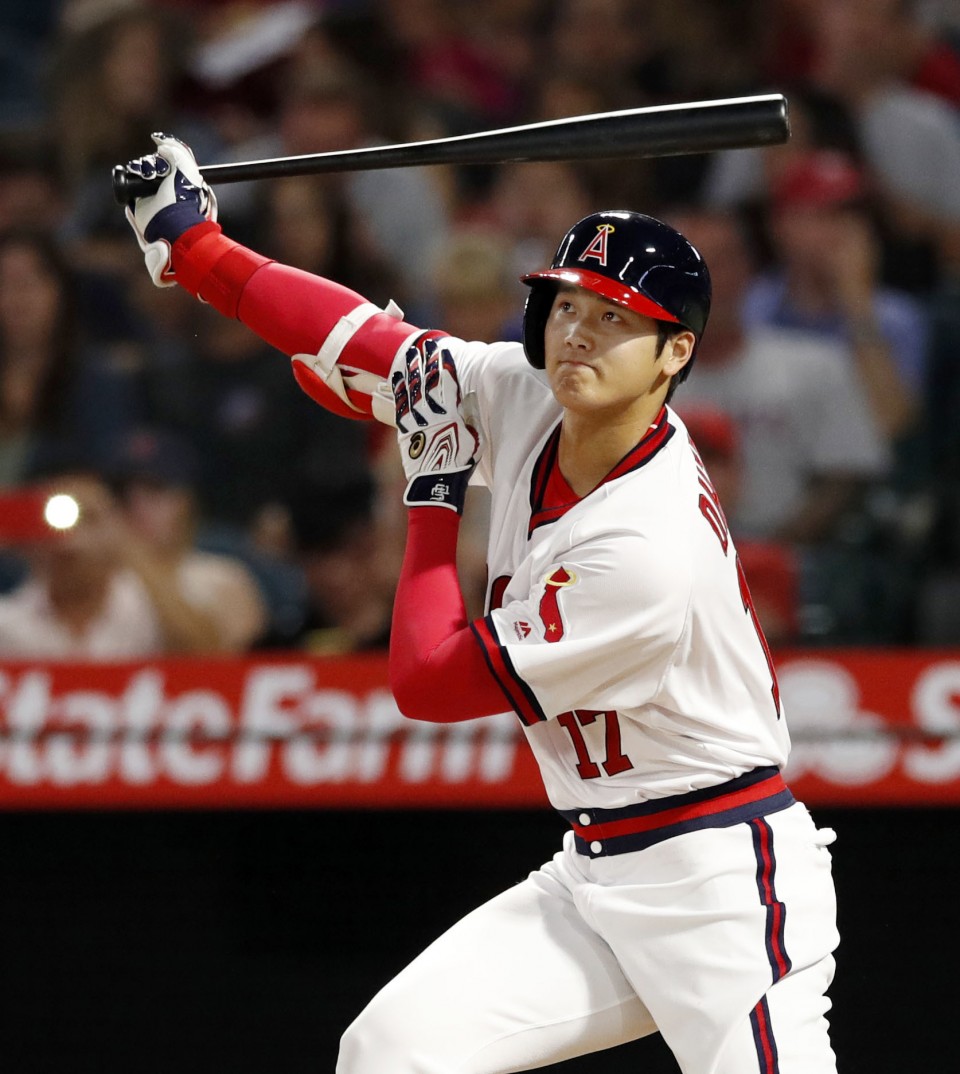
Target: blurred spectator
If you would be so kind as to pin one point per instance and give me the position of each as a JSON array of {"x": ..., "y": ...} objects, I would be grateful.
[
  {"x": 599, "y": 41},
  {"x": 772, "y": 568},
  {"x": 476, "y": 290},
  {"x": 308, "y": 222},
  {"x": 530, "y": 202},
  {"x": 910, "y": 138},
  {"x": 810, "y": 443},
  {"x": 56, "y": 393},
  {"x": 818, "y": 380},
  {"x": 738, "y": 178},
  {"x": 96, "y": 592},
  {"x": 154, "y": 473},
  {"x": 926, "y": 56},
  {"x": 328, "y": 109},
  {"x": 256, "y": 435},
  {"x": 826, "y": 282},
  {"x": 25, "y": 26},
  {"x": 468, "y": 64},
  {"x": 854, "y": 96},
  {"x": 709, "y": 48},
  {"x": 337, "y": 541},
  {"x": 115, "y": 78},
  {"x": 560, "y": 93},
  {"x": 30, "y": 190},
  {"x": 787, "y": 33}
]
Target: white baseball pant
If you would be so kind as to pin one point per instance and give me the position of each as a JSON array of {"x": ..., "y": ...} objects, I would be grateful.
[{"x": 722, "y": 939}]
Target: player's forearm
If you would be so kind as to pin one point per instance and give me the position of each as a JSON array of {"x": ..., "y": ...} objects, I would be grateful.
[
  {"x": 298, "y": 313},
  {"x": 437, "y": 670},
  {"x": 292, "y": 310}
]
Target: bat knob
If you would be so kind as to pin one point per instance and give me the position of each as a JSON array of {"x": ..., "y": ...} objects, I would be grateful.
[{"x": 127, "y": 186}]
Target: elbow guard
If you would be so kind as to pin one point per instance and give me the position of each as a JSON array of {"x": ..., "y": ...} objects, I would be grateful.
[
  {"x": 341, "y": 346},
  {"x": 349, "y": 371}
]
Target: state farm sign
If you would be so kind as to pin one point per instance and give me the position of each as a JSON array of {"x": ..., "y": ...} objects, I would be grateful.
[
  {"x": 232, "y": 733},
  {"x": 869, "y": 727}
]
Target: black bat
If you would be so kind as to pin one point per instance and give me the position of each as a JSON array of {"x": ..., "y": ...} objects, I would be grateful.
[{"x": 658, "y": 131}]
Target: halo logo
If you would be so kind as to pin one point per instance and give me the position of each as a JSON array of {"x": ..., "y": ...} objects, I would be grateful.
[{"x": 597, "y": 247}]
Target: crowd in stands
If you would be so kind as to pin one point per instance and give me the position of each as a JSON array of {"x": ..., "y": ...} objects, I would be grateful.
[{"x": 225, "y": 512}]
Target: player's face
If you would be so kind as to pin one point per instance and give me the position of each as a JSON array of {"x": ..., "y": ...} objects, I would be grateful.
[{"x": 601, "y": 358}]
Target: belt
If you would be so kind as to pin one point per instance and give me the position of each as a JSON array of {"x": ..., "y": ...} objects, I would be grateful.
[{"x": 600, "y": 832}]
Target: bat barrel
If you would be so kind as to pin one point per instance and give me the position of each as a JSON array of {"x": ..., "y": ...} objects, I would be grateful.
[{"x": 666, "y": 130}]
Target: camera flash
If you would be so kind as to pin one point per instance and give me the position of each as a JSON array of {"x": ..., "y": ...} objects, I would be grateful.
[{"x": 61, "y": 511}]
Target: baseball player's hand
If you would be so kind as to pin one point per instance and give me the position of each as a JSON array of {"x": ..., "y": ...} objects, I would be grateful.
[
  {"x": 436, "y": 429},
  {"x": 182, "y": 200}
]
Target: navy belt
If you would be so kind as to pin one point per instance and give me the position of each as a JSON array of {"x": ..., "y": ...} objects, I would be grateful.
[{"x": 599, "y": 832}]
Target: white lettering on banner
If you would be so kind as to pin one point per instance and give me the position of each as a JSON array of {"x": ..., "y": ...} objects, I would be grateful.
[
  {"x": 310, "y": 758},
  {"x": 455, "y": 752},
  {"x": 935, "y": 703},
  {"x": 27, "y": 711},
  {"x": 73, "y": 758},
  {"x": 141, "y": 732},
  {"x": 140, "y": 709},
  {"x": 822, "y": 697},
  {"x": 500, "y": 747},
  {"x": 197, "y": 713},
  {"x": 263, "y": 716},
  {"x": 381, "y": 720}
]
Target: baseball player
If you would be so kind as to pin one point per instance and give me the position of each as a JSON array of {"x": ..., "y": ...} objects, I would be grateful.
[{"x": 692, "y": 894}]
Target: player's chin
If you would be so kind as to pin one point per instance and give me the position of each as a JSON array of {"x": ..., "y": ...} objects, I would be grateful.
[
  {"x": 585, "y": 403},
  {"x": 573, "y": 378}
]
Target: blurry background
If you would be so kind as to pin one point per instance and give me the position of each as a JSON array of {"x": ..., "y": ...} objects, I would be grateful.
[{"x": 226, "y": 514}]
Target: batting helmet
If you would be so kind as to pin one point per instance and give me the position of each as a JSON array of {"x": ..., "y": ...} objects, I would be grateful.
[{"x": 632, "y": 259}]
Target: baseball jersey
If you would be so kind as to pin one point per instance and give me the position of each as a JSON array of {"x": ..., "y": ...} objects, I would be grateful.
[{"x": 619, "y": 625}]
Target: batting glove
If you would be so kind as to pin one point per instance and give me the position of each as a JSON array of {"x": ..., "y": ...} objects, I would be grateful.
[
  {"x": 182, "y": 200},
  {"x": 436, "y": 428}
]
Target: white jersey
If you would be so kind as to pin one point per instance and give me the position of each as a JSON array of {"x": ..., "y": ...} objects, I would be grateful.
[{"x": 619, "y": 625}]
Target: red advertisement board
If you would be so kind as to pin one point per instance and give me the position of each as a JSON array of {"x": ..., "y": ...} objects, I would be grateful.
[{"x": 870, "y": 727}]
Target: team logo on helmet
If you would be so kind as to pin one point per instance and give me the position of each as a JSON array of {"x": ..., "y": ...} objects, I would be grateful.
[{"x": 597, "y": 246}]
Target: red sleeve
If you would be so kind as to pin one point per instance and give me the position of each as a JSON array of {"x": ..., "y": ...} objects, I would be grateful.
[
  {"x": 437, "y": 669},
  {"x": 291, "y": 310}
]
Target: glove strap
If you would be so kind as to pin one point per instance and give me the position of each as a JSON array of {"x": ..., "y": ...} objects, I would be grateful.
[
  {"x": 170, "y": 223},
  {"x": 442, "y": 489}
]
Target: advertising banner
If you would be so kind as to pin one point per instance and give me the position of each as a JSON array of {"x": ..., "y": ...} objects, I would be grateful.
[{"x": 870, "y": 727}]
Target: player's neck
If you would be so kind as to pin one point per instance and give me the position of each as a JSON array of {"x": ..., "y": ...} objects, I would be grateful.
[{"x": 592, "y": 444}]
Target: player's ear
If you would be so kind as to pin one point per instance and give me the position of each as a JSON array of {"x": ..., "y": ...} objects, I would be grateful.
[{"x": 677, "y": 351}]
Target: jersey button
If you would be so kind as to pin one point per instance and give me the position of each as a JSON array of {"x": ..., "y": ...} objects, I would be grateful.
[
  {"x": 596, "y": 846},
  {"x": 584, "y": 818}
]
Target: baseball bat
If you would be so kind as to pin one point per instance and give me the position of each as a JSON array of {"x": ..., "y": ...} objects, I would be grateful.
[{"x": 657, "y": 131}]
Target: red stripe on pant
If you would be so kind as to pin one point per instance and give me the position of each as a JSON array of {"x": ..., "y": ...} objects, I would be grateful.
[
  {"x": 769, "y": 1061},
  {"x": 780, "y": 962}
]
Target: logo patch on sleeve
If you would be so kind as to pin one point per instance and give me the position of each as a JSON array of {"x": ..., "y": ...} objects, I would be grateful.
[{"x": 549, "y": 609}]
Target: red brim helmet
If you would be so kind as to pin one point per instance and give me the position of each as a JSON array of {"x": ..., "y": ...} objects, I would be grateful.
[{"x": 631, "y": 259}]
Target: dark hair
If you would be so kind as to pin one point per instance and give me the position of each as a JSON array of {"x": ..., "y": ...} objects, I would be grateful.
[
  {"x": 52, "y": 395},
  {"x": 323, "y": 519}
]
